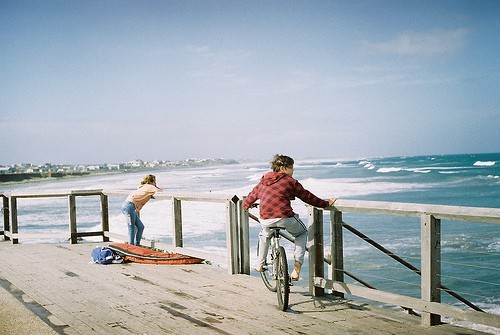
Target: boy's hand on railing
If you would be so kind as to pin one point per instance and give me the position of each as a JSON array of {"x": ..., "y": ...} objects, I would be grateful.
[{"x": 331, "y": 201}]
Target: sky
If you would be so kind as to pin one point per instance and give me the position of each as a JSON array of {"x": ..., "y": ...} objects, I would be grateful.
[{"x": 113, "y": 81}]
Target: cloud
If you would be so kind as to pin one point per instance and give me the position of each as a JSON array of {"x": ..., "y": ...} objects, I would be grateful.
[{"x": 436, "y": 42}]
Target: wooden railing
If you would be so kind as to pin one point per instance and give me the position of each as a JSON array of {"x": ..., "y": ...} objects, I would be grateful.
[
  {"x": 430, "y": 217},
  {"x": 237, "y": 230},
  {"x": 238, "y": 244},
  {"x": 10, "y": 207}
]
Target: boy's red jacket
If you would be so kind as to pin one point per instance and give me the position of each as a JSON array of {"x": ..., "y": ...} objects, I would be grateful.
[{"x": 275, "y": 191}]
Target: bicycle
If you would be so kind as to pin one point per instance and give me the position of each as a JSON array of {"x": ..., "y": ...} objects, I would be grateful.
[{"x": 275, "y": 275}]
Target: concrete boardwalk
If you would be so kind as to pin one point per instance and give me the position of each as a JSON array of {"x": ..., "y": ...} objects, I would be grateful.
[{"x": 72, "y": 296}]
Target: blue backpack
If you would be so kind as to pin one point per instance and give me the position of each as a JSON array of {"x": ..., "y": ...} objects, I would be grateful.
[{"x": 104, "y": 255}]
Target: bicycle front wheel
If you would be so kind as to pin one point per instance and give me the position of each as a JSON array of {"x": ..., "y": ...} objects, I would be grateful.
[{"x": 283, "y": 282}]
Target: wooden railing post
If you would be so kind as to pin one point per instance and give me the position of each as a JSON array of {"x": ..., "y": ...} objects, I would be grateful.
[
  {"x": 336, "y": 272},
  {"x": 315, "y": 244},
  {"x": 13, "y": 220},
  {"x": 104, "y": 216},
  {"x": 177, "y": 222},
  {"x": 430, "y": 267},
  {"x": 72, "y": 219},
  {"x": 232, "y": 237},
  {"x": 244, "y": 233},
  {"x": 6, "y": 218}
]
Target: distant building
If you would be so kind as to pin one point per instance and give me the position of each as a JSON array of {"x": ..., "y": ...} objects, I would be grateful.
[{"x": 5, "y": 169}]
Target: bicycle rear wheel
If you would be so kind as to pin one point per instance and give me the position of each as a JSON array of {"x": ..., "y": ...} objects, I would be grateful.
[
  {"x": 283, "y": 282},
  {"x": 268, "y": 275}
]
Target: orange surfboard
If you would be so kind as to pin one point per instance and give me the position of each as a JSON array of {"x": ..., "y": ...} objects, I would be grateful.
[{"x": 138, "y": 254}]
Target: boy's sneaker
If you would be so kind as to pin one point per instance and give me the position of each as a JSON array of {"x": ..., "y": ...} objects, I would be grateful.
[{"x": 259, "y": 268}]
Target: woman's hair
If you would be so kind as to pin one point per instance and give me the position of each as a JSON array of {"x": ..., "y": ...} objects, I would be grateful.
[
  {"x": 280, "y": 161},
  {"x": 149, "y": 179}
]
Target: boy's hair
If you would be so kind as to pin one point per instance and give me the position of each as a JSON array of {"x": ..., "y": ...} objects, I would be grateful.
[
  {"x": 280, "y": 161},
  {"x": 149, "y": 179}
]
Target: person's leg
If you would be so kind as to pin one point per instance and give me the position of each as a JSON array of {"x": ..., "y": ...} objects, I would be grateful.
[
  {"x": 140, "y": 228},
  {"x": 298, "y": 230},
  {"x": 263, "y": 248},
  {"x": 128, "y": 209}
]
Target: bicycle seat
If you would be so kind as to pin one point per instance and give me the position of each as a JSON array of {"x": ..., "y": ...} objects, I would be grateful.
[{"x": 275, "y": 231}]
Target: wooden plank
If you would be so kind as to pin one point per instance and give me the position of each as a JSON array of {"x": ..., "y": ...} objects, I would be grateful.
[
  {"x": 337, "y": 247},
  {"x": 232, "y": 237},
  {"x": 177, "y": 222},
  {"x": 41, "y": 195},
  {"x": 12, "y": 234},
  {"x": 472, "y": 214},
  {"x": 201, "y": 197},
  {"x": 315, "y": 246},
  {"x": 6, "y": 214},
  {"x": 244, "y": 238},
  {"x": 336, "y": 257},
  {"x": 72, "y": 219},
  {"x": 87, "y": 192},
  {"x": 431, "y": 265},
  {"x": 104, "y": 215}
]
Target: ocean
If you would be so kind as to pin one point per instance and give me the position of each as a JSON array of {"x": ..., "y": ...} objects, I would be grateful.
[{"x": 470, "y": 251}]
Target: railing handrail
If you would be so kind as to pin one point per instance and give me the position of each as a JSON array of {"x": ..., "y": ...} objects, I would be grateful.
[
  {"x": 203, "y": 197},
  {"x": 54, "y": 194},
  {"x": 458, "y": 213}
]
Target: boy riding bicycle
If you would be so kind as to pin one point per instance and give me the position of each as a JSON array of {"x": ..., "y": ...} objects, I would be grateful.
[{"x": 275, "y": 190}]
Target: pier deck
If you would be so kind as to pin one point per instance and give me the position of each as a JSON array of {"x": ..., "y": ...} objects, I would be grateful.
[{"x": 73, "y": 296}]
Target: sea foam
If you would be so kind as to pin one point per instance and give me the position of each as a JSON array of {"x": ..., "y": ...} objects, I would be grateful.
[
  {"x": 388, "y": 170},
  {"x": 481, "y": 163}
]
